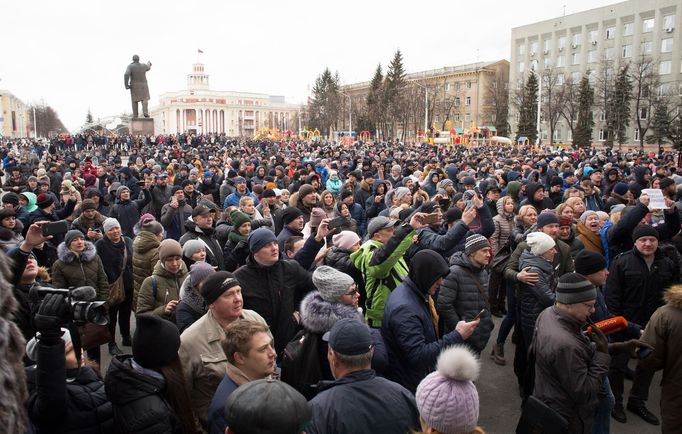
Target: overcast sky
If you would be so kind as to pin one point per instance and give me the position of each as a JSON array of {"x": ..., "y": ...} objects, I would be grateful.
[{"x": 72, "y": 54}]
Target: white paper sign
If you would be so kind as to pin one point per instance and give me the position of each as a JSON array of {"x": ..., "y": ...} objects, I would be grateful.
[{"x": 656, "y": 199}]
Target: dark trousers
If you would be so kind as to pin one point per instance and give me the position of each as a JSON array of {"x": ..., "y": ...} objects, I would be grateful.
[
  {"x": 497, "y": 290},
  {"x": 640, "y": 383},
  {"x": 121, "y": 312},
  {"x": 510, "y": 318}
]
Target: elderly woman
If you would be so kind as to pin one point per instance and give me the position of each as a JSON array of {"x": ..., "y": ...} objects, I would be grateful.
[
  {"x": 588, "y": 231},
  {"x": 336, "y": 298},
  {"x": 524, "y": 221}
]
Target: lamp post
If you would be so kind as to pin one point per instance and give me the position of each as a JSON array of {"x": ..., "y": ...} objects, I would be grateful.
[
  {"x": 350, "y": 112},
  {"x": 426, "y": 105}
]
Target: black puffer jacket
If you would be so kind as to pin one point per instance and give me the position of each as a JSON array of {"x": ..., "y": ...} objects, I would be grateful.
[
  {"x": 538, "y": 297},
  {"x": 138, "y": 401},
  {"x": 214, "y": 253},
  {"x": 128, "y": 212},
  {"x": 460, "y": 299},
  {"x": 544, "y": 203},
  {"x": 77, "y": 406}
]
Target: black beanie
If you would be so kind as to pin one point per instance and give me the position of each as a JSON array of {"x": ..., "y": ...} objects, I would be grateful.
[
  {"x": 588, "y": 262},
  {"x": 453, "y": 214},
  {"x": 574, "y": 288},
  {"x": 156, "y": 342},
  {"x": 644, "y": 231},
  {"x": 290, "y": 214},
  {"x": 216, "y": 284}
]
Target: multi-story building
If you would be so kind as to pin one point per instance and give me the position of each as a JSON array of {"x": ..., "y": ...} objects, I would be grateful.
[
  {"x": 459, "y": 94},
  {"x": 14, "y": 119},
  {"x": 198, "y": 109},
  {"x": 597, "y": 43}
]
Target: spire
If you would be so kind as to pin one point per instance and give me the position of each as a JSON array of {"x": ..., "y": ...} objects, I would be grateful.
[{"x": 197, "y": 80}]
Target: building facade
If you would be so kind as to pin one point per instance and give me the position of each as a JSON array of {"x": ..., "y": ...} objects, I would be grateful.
[
  {"x": 460, "y": 96},
  {"x": 597, "y": 43},
  {"x": 14, "y": 118},
  {"x": 200, "y": 110}
]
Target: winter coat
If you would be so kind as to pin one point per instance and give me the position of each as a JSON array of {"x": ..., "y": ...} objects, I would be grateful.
[
  {"x": 544, "y": 203},
  {"x": 568, "y": 371},
  {"x": 82, "y": 224},
  {"x": 591, "y": 240},
  {"x": 145, "y": 257},
  {"x": 613, "y": 200},
  {"x": 431, "y": 238},
  {"x": 535, "y": 298},
  {"x": 664, "y": 333},
  {"x": 363, "y": 194},
  {"x": 216, "y": 411},
  {"x": 503, "y": 227},
  {"x": 85, "y": 269},
  {"x": 204, "y": 361},
  {"x": 173, "y": 220},
  {"x": 64, "y": 400},
  {"x": 574, "y": 244},
  {"x": 563, "y": 262},
  {"x": 138, "y": 398},
  {"x": 192, "y": 306},
  {"x": 214, "y": 254},
  {"x": 361, "y": 402},
  {"x": 275, "y": 292},
  {"x": 619, "y": 236},
  {"x": 410, "y": 336},
  {"x": 460, "y": 299},
  {"x": 11, "y": 238},
  {"x": 160, "y": 198},
  {"x": 167, "y": 289},
  {"x": 634, "y": 290},
  {"x": 594, "y": 201},
  {"x": 383, "y": 268},
  {"x": 128, "y": 212}
]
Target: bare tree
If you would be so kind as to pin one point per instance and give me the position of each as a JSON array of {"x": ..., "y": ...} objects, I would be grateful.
[
  {"x": 552, "y": 100},
  {"x": 604, "y": 87},
  {"x": 571, "y": 106},
  {"x": 645, "y": 82},
  {"x": 496, "y": 104}
]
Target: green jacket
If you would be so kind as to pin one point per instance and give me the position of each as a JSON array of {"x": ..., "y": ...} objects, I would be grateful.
[
  {"x": 383, "y": 267},
  {"x": 167, "y": 289}
]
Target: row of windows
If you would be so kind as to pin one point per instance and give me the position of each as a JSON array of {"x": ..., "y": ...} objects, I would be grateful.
[
  {"x": 457, "y": 85},
  {"x": 665, "y": 67},
  {"x": 648, "y": 26},
  {"x": 456, "y": 117}
]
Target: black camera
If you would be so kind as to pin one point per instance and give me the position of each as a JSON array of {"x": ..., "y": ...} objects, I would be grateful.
[{"x": 81, "y": 307}]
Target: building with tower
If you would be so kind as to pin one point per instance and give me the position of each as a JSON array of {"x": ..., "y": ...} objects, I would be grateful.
[{"x": 200, "y": 110}]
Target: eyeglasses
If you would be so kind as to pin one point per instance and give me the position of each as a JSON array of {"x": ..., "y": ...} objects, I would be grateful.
[{"x": 353, "y": 291}]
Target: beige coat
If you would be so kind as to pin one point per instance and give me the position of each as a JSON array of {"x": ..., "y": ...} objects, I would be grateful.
[{"x": 204, "y": 361}]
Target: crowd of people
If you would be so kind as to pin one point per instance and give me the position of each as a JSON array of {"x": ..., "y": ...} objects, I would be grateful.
[{"x": 288, "y": 287}]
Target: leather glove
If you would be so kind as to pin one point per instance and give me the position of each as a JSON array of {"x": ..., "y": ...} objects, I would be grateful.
[
  {"x": 51, "y": 315},
  {"x": 600, "y": 341},
  {"x": 629, "y": 347}
]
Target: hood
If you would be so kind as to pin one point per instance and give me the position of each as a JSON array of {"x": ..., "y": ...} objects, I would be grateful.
[
  {"x": 318, "y": 316},
  {"x": 127, "y": 172},
  {"x": 426, "y": 267},
  {"x": 639, "y": 172},
  {"x": 125, "y": 385},
  {"x": 528, "y": 259},
  {"x": 66, "y": 255},
  {"x": 500, "y": 208},
  {"x": 162, "y": 272},
  {"x": 673, "y": 296},
  {"x": 32, "y": 199},
  {"x": 377, "y": 183},
  {"x": 531, "y": 188},
  {"x": 145, "y": 241},
  {"x": 513, "y": 189},
  {"x": 462, "y": 260}
]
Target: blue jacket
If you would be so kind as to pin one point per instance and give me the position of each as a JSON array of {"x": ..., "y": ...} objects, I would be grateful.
[
  {"x": 358, "y": 214},
  {"x": 410, "y": 336},
  {"x": 216, "y": 411},
  {"x": 233, "y": 199}
]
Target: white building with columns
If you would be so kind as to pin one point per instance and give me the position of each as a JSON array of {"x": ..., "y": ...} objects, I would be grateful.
[{"x": 200, "y": 110}]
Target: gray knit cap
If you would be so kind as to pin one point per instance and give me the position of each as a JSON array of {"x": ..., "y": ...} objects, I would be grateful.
[
  {"x": 110, "y": 223},
  {"x": 331, "y": 283},
  {"x": 574, "y": 288},
  {"x": 474, "y": 243}
]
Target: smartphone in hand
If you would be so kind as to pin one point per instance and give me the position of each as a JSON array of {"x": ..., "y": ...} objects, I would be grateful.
[{"x": 479, "y": 314}]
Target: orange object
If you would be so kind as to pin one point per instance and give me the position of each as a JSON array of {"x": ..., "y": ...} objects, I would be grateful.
[{"x": 611, "y": 325}]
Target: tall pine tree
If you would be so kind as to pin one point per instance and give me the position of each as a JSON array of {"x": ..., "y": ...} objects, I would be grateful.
[
  {"x": 528, "y": 112},
  {"x": 622, "y": 98},
  {"x": 375, "y": 99},
  {"x": 324, "y": 107},
  {"x": 395, "y": 86},
  {"x": 585, "y": 124},
  {"x": 660, "y": 124}
]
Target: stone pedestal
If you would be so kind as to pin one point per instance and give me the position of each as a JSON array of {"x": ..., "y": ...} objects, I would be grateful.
[{"x": 142, "y": 127}]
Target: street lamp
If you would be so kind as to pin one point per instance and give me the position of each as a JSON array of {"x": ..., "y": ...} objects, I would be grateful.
[
  {"x": 350, "y": 113},
  {"x": 426, "y": 105}
]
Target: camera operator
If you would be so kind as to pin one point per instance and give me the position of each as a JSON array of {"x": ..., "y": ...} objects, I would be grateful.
[{"x": 63, "y": 397}]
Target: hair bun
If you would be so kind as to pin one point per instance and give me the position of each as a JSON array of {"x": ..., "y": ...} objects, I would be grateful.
[{"x": 458, "y": 363}]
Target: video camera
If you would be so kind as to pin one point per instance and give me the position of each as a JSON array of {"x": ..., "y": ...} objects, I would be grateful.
[{"x": 82, "y": 308}]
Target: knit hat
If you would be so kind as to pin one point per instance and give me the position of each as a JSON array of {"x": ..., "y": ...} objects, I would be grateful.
[
  {"x": 199, "y": 271},
  {"x": 72, "y": 235},
  {"x": 316, "y": 217},
  {"x": 11, "y": 197},
  {"x": 620, "y": 188},
  {"x": 453, "y": 214},
  {"x": 121, "y": 189},
  {"x": 588, "y": 262},
  {"x": 259, "y": 238},
  {"x": 238, "y": 218},
  {"x": 585, "y": 215},
  {"x": 345, "y": 239},
  {"x": 547, "y": 218},
  {"x": 43, "y": 201},
  {"x": 290, "y": 214},
  {"x": 168, "y": 248},
  {"x": 88, "y": 204},
  {"x": 156, "y": 342},
  {"x": 644, "y": 231},
  {"x": 331, "y": 283},
  {"x": 305, "y": 190},
  {"x": 216, "y": 284},
  {"x": 447, "y": 399},
  {"x": 66, "y": 186},
  {"x": 574, "y": 288},
  {"x": 110, "y": 223},
  {"x": 32, "y": 345},
  {"x": 266, "y": 406},
  {"x": 556, "y": 181},
  {"x": 191, "y": 247},
  {"x": 539, "y": 242},
  {"x": 475, "y": 243}
]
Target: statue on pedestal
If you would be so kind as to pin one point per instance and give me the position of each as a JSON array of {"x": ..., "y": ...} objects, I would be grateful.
[{"x": 135, "y": 79}]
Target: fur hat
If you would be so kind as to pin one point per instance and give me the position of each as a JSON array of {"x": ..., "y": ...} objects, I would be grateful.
[
  {"x": 447, "y": 399},
  {"x": 331, "y": 283}
]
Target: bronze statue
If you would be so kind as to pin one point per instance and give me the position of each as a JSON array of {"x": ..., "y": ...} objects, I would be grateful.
[{"x": 135, "y": 79}]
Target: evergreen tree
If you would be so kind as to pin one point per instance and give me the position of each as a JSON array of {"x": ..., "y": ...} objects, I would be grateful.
[
  {"x": 395, "y": 84},
  {"x": 675, "y": 131},
  {"x": 622, "y": 98},
  {"x": 324, "y": 106},
  {"x": 375, "y": 99},
  {"x": 660, "y": 124},
  {"x": 88, "y": 117},
  {"x": 528, "y": 111},
  {"x": 583, "y": 131}
]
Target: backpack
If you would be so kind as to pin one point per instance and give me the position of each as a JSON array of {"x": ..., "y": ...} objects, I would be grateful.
[{"x": 301, "y": 363}]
